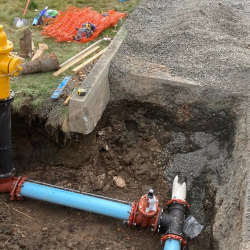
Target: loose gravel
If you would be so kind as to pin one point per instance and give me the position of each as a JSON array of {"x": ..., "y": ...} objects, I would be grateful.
[{"x": 205, "y": 41}]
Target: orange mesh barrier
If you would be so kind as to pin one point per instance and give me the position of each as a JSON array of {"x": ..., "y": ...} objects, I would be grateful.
[{"x": 63, "y": 27}]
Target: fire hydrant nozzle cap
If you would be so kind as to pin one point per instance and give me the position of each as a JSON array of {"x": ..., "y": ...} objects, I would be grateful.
[
  {"x": 1, "y": 27},
  {"x": 15, "y": 66}
]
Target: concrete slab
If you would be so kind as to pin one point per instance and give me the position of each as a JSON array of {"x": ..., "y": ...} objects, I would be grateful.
[{"x": 85, "y": 112}]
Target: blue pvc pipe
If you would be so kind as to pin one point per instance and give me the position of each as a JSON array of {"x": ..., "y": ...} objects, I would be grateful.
[
  {"x": 172, "y": 244},
  {"x": 75, "y": 200}
]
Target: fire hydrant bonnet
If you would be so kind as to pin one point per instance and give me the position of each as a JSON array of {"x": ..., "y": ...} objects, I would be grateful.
[{"x": 5, "y": 45}]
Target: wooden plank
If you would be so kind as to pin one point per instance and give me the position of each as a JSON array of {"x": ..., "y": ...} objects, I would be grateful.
[
  {"x": 90, "y": 60},
  {"x": 20, "y": 58},
  {"x": 39, "y": 52},
  {"x": 77, "y": 60},
  {"x": 80, "y": 53}
]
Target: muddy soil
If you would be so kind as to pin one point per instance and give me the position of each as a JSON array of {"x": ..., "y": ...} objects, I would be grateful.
[{"x": 139, "y": 144}]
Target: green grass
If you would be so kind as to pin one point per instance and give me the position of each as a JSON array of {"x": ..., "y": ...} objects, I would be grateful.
[{"x": 37, "y": 88}]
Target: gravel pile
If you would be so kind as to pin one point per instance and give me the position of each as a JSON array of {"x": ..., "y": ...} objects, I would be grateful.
[{"x": 205, "y": 41}]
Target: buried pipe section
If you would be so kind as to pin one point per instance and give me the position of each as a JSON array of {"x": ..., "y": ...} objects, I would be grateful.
[
  {"x": 6, "y": 167},
  {"x": 145, "y": 213},
  {"x": 75, "y": 200},
  {"x": 172, "y": 245}
]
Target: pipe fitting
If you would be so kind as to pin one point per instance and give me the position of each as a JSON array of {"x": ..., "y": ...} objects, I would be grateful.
[
  {"x": 175, "y": 218},
  {"x": 13, "y": 186},
  {"x": 173, "y": 222},
  {"x": 7, "y": 184}
]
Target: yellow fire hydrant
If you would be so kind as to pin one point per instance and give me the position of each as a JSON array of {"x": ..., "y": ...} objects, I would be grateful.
[{"x": 9, "y": 66}]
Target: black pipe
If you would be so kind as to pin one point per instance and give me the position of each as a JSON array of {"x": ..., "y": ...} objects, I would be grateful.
[
  {"x": 6, "y": 167},
  {"x": 172, "y": 223}
]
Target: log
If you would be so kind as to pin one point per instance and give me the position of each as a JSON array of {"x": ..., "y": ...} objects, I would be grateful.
[
  {"x": 25, "y": 44},
  {"x": 43, "y": 64}
]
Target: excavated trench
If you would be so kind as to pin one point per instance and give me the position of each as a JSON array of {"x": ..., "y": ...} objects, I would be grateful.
[{"x": 143, "y": 144}]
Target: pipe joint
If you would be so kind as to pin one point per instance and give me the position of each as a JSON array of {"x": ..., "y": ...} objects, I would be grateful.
[
  {"x": 169, "y": 237},
  {"x": 13, "y": 186},
  {"x": 178, "y": 201},
  {"x": 175, "y": 220}
]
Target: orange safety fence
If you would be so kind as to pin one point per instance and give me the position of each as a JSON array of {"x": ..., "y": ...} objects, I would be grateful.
[{"x": 63, "y": 27}]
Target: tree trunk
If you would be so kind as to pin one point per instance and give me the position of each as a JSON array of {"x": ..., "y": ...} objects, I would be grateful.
[
  {"x": 42, "y": 64},
  {"x": 25, "y": 43}
]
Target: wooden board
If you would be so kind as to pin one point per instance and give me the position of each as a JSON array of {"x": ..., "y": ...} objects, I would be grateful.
[
  {"x": 90, "y": 60},
  {"x": 80, "y": 53},
  {"x": 39, "y": 52},
  {"x": 20, "y": 58},
  {"x": 77, "y": 60}
]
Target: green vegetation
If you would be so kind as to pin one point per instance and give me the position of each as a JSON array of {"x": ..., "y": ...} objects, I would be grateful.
[{"x": 38, "y": 88}]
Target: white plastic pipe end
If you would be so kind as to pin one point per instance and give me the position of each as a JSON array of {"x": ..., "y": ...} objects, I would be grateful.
[{"x": 179, "y": 190}]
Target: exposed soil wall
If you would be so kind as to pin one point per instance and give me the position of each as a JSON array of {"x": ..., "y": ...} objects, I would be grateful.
[
  {"x": 231, "y": 226},
  {"x": 152, "y": 130},
  {"x": 145, "y": 144}
]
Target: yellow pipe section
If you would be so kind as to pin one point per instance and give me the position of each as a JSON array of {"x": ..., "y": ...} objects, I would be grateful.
[{"x": 9, "y": 66}]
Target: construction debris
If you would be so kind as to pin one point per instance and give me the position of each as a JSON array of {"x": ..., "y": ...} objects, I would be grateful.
[
  {"x": 119, "y": 181},
  {"x": 75, "y": 61},
  {"x": 39, "y": 52},
  {"x": 90, "y": 60},
  {"x": 42, "y": 64},
  {"x": 16, "y": 56},
  {"x": 25, "y": 44},
  {"x": 69, "y": 97},
  {"x": 63, "y": 27}
]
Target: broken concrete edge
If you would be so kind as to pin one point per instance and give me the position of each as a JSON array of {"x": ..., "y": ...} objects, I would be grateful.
[
  {"x": 246, "y": 202},
  {"x": 85, "y": 112},
  {"x": 154, "y": 89},
  {"x": 246, "y": 218}
]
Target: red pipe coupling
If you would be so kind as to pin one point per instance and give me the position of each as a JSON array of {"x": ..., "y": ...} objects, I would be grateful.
[{"x": 13, "y": 186}]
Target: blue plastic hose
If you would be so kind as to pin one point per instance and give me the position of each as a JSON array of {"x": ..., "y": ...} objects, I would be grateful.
[
  {"x": 75, "y": 200},
  {"x": 172, "y": 244}
]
